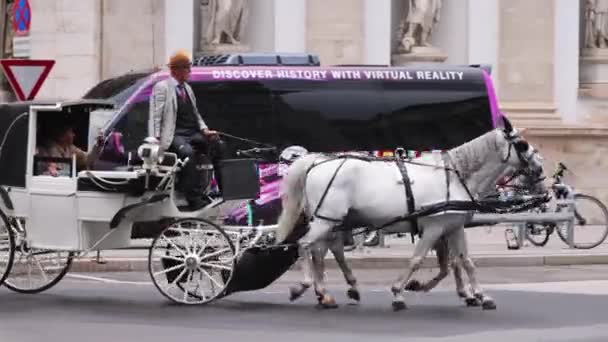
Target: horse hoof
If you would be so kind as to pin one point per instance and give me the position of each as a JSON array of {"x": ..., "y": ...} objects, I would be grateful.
[
  {"x": 327, "y": 302},
  {"x": 329, "y": 305},
  {"x": 488, "y": 305},
  {"x": 472, "y": 302},
  {"x": 295, "y": 293},
  {"x": 399, "y": 306},
  {"x": 353, "y": 294},
  {"x": 414, "y": 286}
]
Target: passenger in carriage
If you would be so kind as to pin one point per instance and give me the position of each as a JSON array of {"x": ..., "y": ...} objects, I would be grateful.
[
  {"x": 60, "y": 144},
  {"x": 177, "y": 123}
]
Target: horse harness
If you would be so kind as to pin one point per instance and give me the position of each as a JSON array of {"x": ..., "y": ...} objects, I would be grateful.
[{"x": 407, "y": 185}]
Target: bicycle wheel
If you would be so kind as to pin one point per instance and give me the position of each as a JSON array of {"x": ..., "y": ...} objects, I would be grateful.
[
  {"x": 590, "y": 222},
  {"x": 538, "y": 234}
]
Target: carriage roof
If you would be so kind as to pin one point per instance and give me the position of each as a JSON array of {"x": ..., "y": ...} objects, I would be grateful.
[{"x": 14, "y": 132}]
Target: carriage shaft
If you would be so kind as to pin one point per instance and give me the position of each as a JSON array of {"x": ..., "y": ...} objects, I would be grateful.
[{"x": 523, "y": 217}]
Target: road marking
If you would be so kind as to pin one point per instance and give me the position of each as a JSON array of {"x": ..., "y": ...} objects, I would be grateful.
[
  {"x": 587, "y": 287},
  {"x": 107, "y": 280}
]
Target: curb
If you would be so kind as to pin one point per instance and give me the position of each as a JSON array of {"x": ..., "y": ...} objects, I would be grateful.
[{"x": 141, "y": 264}]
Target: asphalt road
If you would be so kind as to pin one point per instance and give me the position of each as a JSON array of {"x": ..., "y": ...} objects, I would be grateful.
[{"x": 534, "y": 304}]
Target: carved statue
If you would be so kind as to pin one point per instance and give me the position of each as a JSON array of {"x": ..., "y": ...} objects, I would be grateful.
[
  {"x": 223, "y": 21},
  {"x": 596, "y": 24},
  {"x": 417, "y": 27}
]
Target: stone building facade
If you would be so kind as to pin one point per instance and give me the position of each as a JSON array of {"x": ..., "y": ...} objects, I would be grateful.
[{"x": 550, "y": 65}]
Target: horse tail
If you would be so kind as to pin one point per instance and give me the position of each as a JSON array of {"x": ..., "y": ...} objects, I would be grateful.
[{"x": 293, "y": 186}]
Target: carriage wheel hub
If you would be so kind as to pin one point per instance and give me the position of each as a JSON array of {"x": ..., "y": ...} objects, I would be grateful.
[{"x": 192, "y": 262}]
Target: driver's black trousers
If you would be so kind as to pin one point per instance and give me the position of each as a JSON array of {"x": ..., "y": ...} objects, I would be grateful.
[{"x": 196, "y": 146}]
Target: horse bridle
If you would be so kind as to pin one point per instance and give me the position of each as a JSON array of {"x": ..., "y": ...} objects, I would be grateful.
[{"x": 524, "y": 160}]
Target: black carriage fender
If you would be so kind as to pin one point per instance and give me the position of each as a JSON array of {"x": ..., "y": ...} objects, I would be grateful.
[
  {"x": 6, "y": 198},
  {"x": 120, "y": 215}
]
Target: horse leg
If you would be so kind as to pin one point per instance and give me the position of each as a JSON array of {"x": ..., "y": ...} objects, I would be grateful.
[
  {"x": 487, "y": 302},
  {"x": 296, "y": 291},
  {"x": 431, "y": 232},
  {"x": 443, "y": 260},
  {"x": 462, "y": 290},
  {"x": 337, "y": 249},
  {"x": 318, "y": 229}
]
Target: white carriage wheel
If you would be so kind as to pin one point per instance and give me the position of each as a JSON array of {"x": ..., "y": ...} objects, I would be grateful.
[
  {"x": 192, "y": 261},
  {"x": 7, "y": 247},
  {"x": 36, "y": 270}
]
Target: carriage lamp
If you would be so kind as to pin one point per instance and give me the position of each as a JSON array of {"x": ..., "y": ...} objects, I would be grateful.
[{"x": 149, "y": 153}]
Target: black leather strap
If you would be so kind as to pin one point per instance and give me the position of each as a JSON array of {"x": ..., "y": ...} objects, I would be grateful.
[{"x": 409, "y": 195}]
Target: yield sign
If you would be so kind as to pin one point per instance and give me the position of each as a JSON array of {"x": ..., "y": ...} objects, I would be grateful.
[{"x": 26, "y": 75}]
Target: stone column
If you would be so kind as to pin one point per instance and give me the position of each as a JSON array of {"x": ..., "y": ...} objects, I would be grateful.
[
  {"x": 178, "y": 27},
  {"x": 335, "y": 31},
  {"x": 69, "y": 32},
  {"x": 377, "y": 32},
  {"x": 526, "y": 61},
  {"x": 290, "y": 26},
  {"x": 143, "y": 47}
]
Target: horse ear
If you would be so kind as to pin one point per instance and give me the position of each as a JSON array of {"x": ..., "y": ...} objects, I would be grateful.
[{"x": 507, "y": 124}]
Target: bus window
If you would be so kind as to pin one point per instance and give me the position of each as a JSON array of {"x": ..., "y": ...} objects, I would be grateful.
[
  {"x": 435, "y": 115},
  {"x": 243, "y": 109},
  {"x": 330, "y": 116},
  {"x": 133, "y": 129}
]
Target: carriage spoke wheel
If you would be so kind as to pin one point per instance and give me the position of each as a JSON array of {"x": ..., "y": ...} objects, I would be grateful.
[
  {"x": 35, "y": 270},
  {"x": 7, "y": 248},
  {"x": 192, "y": 261}
]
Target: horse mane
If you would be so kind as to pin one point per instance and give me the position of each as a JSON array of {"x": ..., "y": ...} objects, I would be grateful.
[{"x": 469, "y": 157}]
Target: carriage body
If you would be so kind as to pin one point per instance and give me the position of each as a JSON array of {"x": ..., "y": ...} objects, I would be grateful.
[{"x": 57, "y": 212}]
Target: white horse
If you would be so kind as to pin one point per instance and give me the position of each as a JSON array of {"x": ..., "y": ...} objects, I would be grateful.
[
  {"x": 334, "y": 242},
  {"x": 328, "y": 189}
]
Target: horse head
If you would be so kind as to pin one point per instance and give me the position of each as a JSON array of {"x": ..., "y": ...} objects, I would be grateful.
[{"x": 519, "y": 153}]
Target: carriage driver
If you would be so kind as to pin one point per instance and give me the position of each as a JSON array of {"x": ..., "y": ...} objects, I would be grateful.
[{"x": 176, "y": 122}]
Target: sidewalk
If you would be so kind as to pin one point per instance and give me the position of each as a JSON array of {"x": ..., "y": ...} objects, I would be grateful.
[{"x": 486, "y": 245}]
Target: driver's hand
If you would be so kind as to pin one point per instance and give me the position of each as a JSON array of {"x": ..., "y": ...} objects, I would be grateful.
[{"x": 210, "y": 133}]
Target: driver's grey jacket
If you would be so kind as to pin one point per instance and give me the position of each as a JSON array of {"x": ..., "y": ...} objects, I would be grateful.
[{"x": 163, "y": 111}]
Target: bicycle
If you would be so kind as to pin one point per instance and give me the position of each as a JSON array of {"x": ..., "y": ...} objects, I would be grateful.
[{"x": 538, "y": 234}]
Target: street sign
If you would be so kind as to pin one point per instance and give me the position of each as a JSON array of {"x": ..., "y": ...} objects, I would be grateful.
[
  {"x": 26, "y": 75},
  {"x": 22, "y": 17}
]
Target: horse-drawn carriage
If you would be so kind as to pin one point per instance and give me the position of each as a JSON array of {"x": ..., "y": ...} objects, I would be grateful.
[{"x": 229, "y": 245}]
